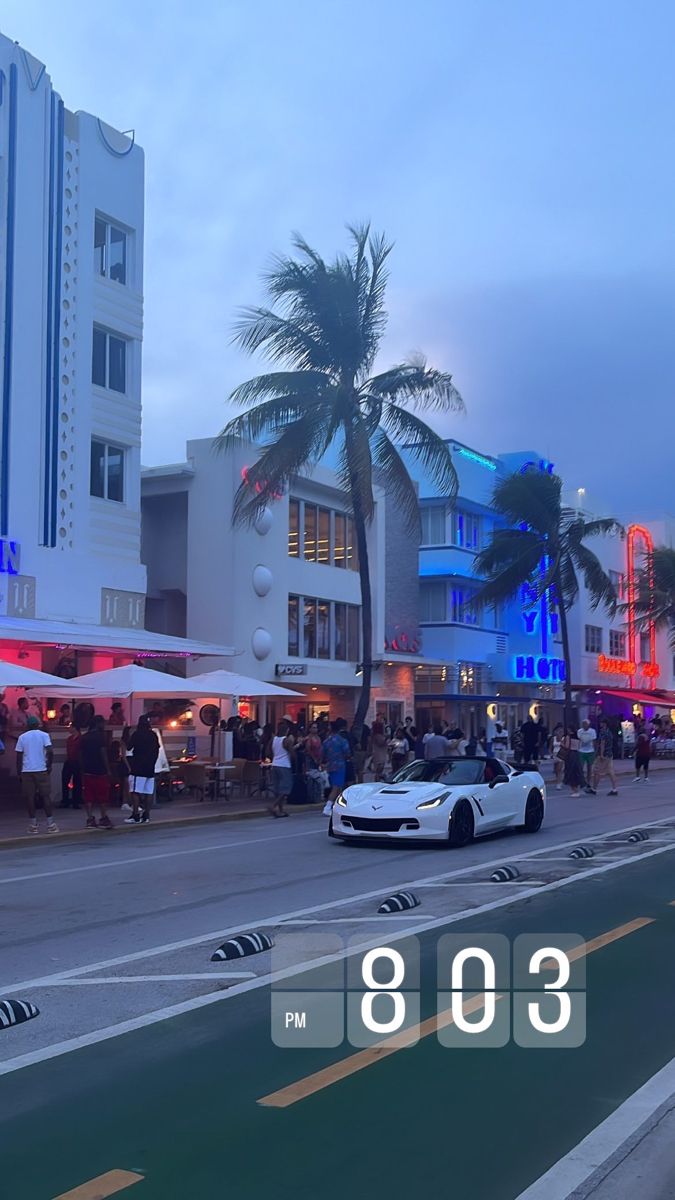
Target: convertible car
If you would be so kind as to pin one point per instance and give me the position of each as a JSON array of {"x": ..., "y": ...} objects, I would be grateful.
[{"x": 448, "y": 800}]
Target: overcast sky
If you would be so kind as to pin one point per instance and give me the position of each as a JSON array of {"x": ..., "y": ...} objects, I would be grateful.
[{"x": 520, "y": 155}]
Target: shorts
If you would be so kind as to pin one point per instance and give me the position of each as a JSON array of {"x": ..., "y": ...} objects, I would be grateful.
[
  {"x": 96, "y": 789},
  {"x": 142, "y": 785},
  {"x": 603, "y": 766},
  {"x": 338, "y": 778},
  {"x": 282, "y": 781},
  {"x": 35, "y": 785},
  {"x": 587, "y": 757}
]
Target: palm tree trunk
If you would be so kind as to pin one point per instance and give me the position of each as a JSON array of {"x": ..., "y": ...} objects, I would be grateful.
[
  {"x": 366, "y": 621},
  {"x": 567, "y": 703}
]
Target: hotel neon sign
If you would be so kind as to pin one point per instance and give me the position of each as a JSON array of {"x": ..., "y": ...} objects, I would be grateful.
[{"x": 638, "y": 534}]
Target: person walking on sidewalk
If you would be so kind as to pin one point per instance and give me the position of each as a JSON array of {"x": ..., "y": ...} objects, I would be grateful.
[
  {"x": 96, "y": 773},
  {"x": 34, "y": 757},
  {"x": 283, "y": 747},
  {"x": 604, "y": 763},
  {"x": 71, "y": 772},
  {"x": 587, "y": 739},
  {"x": 574, "y": 774},
  {"x": 143, "y": 746},
  {"x": 643, "y": 753}
]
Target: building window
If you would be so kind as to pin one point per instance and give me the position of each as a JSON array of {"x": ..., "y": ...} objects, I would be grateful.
[
  {"x": 462, "y": 609},
  {"x": 433, "y": 600},
  {"x": 340, "y": 622},
  {"x": 323, "y": 629},
  {"x": 351, "y": 548},
  {"x": 110, "y": 251},
  {"x": 293, "y": 610},
  {"x": 323, "y": 543},
  {"x": 353, "y": 633},
  {"x": 593, "y": 639},
  {"x": 618, "y": 581},
  {"x": 310, "y": 533},
  {"x": 293, "y": 528},
  {"x": 433, "y": 518},
  {"x": 107, "y": 471},
  {"x": 470, "y": 678},
  {"x": 466, "y": 530},
  {"x": 109, "y": 361},
  {"x": 309, "y": 628},
  {"x": 340, "y": 554},
  {"x": 645, "y": 648},
  {"x": 617, "y": 644}
]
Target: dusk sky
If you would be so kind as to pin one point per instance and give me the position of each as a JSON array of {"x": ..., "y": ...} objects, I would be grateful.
[{"x": 521, "y": 155}]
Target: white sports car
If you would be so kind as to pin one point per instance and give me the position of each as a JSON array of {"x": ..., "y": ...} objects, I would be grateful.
[{"x": 444, "y": 800}]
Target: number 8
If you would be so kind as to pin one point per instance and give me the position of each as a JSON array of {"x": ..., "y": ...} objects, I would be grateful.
[{"x": 383, "y": 989}]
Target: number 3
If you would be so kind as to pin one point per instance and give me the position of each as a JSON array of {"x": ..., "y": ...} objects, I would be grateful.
[{"x": 563, "y": 964}]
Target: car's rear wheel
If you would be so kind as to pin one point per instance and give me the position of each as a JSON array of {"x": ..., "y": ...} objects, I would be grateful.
[
  {"x": 534, "y": 812},
  {"x": 461, "y": 825}
]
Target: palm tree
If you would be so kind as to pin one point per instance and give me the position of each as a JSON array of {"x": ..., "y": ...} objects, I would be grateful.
[
  {"x": 323, "y": 328},
  {"x": 542, "y": 530},
  {"x": 656, "y": 592}
]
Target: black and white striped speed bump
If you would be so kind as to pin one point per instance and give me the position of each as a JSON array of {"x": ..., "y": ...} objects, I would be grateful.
[
  {"x": 504, "y": 874},
  {"x": 15, "y": 1012},
  {"x": 582, "y": 852},
  {"x": 638, "y": 835},
  {"x": 243, "y": 945},
  {"x": 398, "y": 902}
]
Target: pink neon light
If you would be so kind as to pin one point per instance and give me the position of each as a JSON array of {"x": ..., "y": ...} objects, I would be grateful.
[{"x": 638, "y": 533}]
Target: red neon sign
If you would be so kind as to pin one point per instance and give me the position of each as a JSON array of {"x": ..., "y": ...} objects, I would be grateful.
[
  {"x": 258, "y": 486},
  {"x": 640, "y": 540}
]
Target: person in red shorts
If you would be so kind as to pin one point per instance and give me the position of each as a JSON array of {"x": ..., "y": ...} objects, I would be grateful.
[{"x": 96, "y": 774}]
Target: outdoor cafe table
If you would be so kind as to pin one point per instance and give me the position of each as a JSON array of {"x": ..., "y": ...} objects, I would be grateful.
[{"x": 218, "y": 771}]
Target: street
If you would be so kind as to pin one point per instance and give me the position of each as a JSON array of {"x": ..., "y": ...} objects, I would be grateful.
[{"x": 147, "y": 1058}]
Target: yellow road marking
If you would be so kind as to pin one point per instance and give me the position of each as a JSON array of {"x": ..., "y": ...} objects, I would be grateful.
[
  {"x": 103, "y": 1186},
  {"x": 365, "y": 1058}
]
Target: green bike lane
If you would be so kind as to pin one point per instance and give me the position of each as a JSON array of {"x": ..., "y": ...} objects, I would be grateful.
[{"x": 177, "y": 1102}]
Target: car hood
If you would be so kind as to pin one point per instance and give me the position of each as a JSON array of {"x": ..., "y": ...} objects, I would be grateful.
[{"x": 388, "y": 799}]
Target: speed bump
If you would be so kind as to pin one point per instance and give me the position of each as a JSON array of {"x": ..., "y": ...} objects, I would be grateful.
[
  {"x": 504, "y": 874},
  {"x": 582, "y": 852},
  {"x": 15, "y": 1012},
  {"x": 638, "y": 835},
  {"x": 242, "y": 946},
  {"x": 398, "y": 902}
]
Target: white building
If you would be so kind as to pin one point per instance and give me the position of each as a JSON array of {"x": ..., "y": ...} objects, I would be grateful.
[
  {"x": 285, "y": 593},
  {"x": 71, "y": 326}
]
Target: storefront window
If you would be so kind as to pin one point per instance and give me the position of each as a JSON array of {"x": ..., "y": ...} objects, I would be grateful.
[
  {"x": 293, "y": 609},
  {"x": 323, "y": 629},
  {"x": 309, "y": 628},
  {"x": 293, "y": 528}
]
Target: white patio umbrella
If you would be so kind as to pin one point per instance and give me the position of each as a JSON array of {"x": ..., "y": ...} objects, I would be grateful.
[
  {"x": 121, "y": 682},
  {"x": 16, "y": 675},
  {"x": 230, "y": 683}
]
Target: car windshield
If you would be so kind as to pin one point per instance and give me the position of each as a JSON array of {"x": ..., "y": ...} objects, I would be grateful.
[{"x": 453, "y": 771}]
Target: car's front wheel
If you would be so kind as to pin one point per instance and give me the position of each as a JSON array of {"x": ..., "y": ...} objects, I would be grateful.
[
  {"x": 534, "y": 812},
  {"x": 461, "y": 826}
]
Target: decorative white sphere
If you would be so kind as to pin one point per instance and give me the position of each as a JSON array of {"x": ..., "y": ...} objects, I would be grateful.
[
  {"x": 261, "y": 642},
  {"x": 262, "y": 580},
  {"x": 263, "y": 522}
]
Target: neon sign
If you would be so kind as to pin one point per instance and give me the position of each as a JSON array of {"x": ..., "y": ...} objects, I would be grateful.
[
  {"x": 257, "y": 485},
  {"x": 638, "y": 534},
  {"x": 625, "y": 666},
  {"x": 543, "y": 465},
  {"x": 477, "y": 458},
  {"x": 540, "y": 668},
  {"x": 9, "y": 557}
]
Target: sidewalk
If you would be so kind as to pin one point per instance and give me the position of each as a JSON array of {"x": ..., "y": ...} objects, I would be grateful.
[{"x": 182, "y": 811}]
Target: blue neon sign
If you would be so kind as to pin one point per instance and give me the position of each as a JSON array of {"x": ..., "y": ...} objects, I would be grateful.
[
  {"x": 539, "y": 668},
  {"x": 477, "y": 458},
  {"x": 9, "y": 557}
]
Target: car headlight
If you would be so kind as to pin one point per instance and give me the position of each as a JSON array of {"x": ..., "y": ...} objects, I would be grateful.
[
  {"x": 340, "y": 800},
  {"x": 436, "y": 802}
]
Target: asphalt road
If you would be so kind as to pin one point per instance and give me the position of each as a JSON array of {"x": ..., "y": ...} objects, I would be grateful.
[{"x": 148, "y": 1058}]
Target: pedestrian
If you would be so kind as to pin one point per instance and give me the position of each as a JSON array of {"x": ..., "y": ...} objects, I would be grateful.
[
  {"x": 643, "y": 753},
  {"x": 574, "y": 774},
  {"x": 398, "y": 749},
  {"x": 530, "y": 734},
  {"x": 71, "y": 773},
  {"x": 517, "y": 745},
  {"x": 34, "y": 757},
  {"x": 604, "y": 762},
  {"x": 436, "y": 745},
  {"x": 336, "y": 751},
  {"x": 64, "y": 716},
  {"x": 96, "y": 774},
  {"x": 378, "y": 749},
  {"x": 587, "y": 738},
  {"x": 558, "y": 758},
  {"x": 542, "y": 730},
  {"x": 282, "y": 768},
  {"x": 143, "y": 746},
  {"x": 117, "y": 714},
  {"x": 458, "y": 744}
]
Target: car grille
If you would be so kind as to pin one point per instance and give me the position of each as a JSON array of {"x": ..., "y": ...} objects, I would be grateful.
[{"x": 381, "y": 824}]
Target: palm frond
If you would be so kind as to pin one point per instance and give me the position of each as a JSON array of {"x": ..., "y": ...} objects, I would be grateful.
[
  {"x": 282, "y": 339},
  {"x": 307, "y": 384},
  {"x": 373, "y": 314},
  {"x": 271, "y": 416},
  {"x": 400, "y": 490},
  {"x": 600, "y": 588},
  {"x": 532, "y": 498},
  {"x": 299, "y": 444},
  {"x": 417, "y": 384},
  {"x": 511, "y": 559},
  {"x": 569, "y": 584},
  {"x": 423, "y": 445}
]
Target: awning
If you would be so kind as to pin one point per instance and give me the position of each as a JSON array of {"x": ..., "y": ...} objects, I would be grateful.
[
  {"x": 658, "y": 697},
  {"x": 71, "y": 635}
]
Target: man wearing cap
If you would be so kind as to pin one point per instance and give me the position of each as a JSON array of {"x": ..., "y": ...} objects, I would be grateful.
[{"x": 34, "y": 757}]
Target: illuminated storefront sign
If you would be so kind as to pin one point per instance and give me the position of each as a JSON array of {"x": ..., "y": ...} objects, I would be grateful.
[
  {"x": 477, "y": 458},
  {"x": 540, "y": 668},
  {"x": 9, "y": 557},
  {"x": 625, "y": 666}
]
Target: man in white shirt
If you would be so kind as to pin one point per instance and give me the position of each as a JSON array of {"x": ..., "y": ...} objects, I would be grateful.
[
  {"x": 587, "y": 735},
  {"x": 34, "y": 757}
]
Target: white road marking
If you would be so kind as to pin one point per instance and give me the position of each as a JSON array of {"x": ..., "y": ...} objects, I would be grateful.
[
  {"x": 143, "y": 858},
  {"x": 576, "y": 1167},
  {"x": 281, "y": 918},
  {"x": 197, "y": 1002},
  {"x": 149, "y": 978},
  {"x": 484, "y": 882}
]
